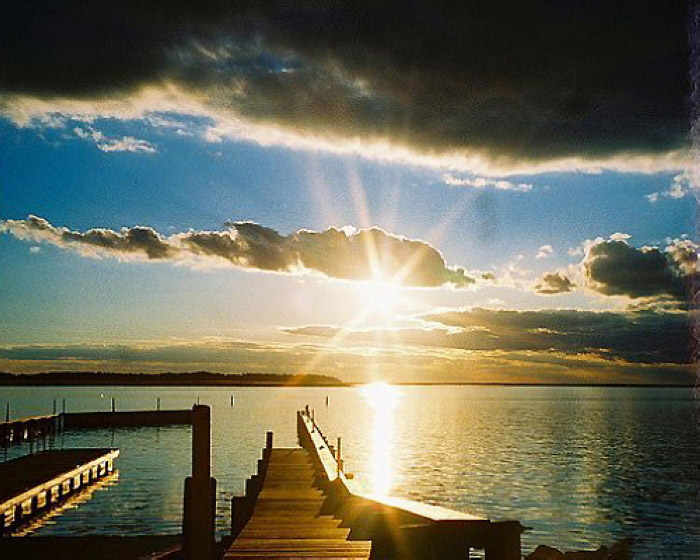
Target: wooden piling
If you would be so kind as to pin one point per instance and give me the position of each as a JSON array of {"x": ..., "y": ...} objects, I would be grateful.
[
  {"x": 338, "y": 456},
  {"x": 200, "y": 491},
  {"x": 268, "y": 445}
]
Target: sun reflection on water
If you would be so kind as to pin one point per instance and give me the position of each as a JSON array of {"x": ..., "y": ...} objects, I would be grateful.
[{"x": 382, "y": 398}]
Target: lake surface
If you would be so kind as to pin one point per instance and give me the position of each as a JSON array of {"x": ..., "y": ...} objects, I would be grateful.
[{"x": 581, "y": 466}]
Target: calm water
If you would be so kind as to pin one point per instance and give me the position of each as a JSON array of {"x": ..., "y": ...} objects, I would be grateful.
[{"x": 581, "y": 466}]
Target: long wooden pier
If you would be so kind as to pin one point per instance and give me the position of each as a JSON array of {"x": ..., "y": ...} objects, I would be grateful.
[
  {"x": 287, "y": 519},
  {"x": 301, "y": 504},
  {"x": 34, "y": 483},
  {"x": 25, "y": 429},
  {"x": 35, "y": 427}
]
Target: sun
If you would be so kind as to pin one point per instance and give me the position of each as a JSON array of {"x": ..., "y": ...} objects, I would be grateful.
[{"x": 380, "y": 297}]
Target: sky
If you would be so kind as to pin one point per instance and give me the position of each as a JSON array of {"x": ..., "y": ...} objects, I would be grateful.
[{"x": 447, "y": 193}]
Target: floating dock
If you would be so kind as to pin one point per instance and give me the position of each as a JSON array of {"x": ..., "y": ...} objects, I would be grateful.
[
  {"x": 301, "y": 504},
  {"x": 35, "y": 483}
]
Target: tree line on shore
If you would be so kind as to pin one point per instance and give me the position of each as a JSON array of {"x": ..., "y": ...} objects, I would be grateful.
[{"x": 169, "y": 378}]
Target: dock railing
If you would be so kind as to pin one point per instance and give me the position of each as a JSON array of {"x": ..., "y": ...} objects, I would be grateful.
[{"x": 401, "y": 528}]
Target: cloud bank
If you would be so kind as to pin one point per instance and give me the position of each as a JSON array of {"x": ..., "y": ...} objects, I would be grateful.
[
  {"x": 634, "y": 337},
  {"x": 613, "y": 267},
  {"x": 346, "y": 254},
  {"x": 499, "y": 85},
  {"x": 360, "y": 364}
]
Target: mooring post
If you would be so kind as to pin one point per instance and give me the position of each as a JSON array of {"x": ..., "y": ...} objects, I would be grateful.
[
  {"x": 503, "y": 541},
  {"x": 7, "y": 412},
  {"x": 200, "y": 491},
  {"x": 114, "y": 405},
  {"x": 158, "y": 403},
  {"x": 338, "y": 456},
  {"x": 268, "y": 446},
  {"x": 54, "y": 407}
]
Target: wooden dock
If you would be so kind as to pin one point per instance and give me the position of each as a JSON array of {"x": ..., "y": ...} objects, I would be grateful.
[
  {"x": 35, "y": 483},
  {"x": 301, "y": 504},
  {"x": 36, "y": 427},
  {"x": 287, "y": 519},
  {"x": 27, "y": 429},
  {"x": 125, "y": 419}
]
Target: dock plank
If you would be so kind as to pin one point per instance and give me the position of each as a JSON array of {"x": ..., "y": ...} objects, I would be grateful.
[{"x": 287, "y": 520}]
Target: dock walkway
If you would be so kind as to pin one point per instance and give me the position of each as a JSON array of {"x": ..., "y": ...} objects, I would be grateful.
[
  {"x": 302, "y": 504},
  {"x": 34, "y": 483},
  {"x": 287, "y": 519}
]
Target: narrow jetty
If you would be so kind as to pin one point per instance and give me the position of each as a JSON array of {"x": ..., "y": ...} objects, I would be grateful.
[
  {"x": 35, "y": 483},
  {"x": 36, "y": 427},
  {"x": 125, "y": 419},
  {"x": 301, "y": 504},
  {"x": 287, "y": 518}
]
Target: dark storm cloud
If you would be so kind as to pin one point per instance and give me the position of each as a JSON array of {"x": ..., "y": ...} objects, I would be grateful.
[
  {"x": 651, "y": 337},
  {"x": 614, "y": 267},
  {"x": 364, "y": 254},
  {"x": 524, "y": 81},
  {"x": 553, "y": 283}
]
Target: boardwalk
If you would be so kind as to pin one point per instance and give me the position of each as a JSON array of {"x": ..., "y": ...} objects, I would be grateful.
[
  {"x": 36, "y": 482},
  {"x": 287, "y": 522}
]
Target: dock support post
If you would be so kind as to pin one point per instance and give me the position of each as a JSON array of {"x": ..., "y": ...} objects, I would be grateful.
[
  {"x": 504, "y": 541},
  {"x": 268, "y": 447},
  {"x": 200, "y": 491},
  {"x": 339, "y": 456}
]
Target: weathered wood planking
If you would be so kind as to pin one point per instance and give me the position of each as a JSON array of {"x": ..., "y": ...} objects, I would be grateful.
[
  {"x": 286, "y": 520},
  {"x": 34, "y": 483}
]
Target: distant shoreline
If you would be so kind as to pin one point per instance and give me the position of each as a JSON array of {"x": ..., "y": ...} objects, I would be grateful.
[
  {"x": 209, "y": 379},
  {"x": 187, "y": 379}
]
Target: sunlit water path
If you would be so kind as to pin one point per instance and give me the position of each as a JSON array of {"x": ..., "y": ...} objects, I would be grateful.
[{"x": 582, "y": 466}]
